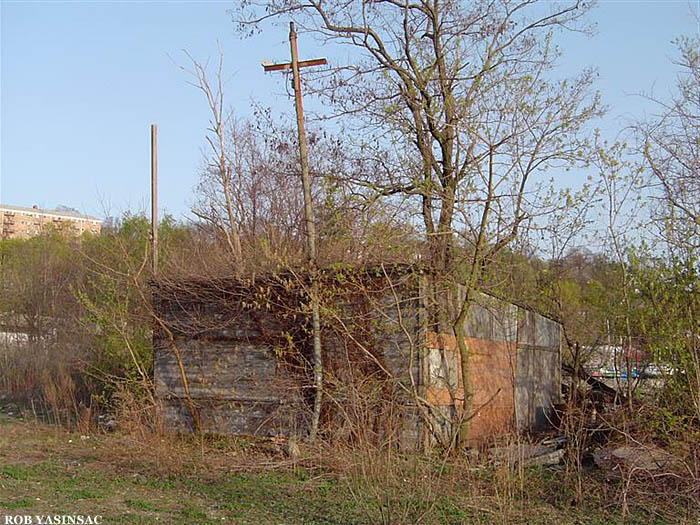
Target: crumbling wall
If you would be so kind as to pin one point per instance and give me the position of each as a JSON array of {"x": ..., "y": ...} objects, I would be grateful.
[
  {"x": 238, "y": 388},
  {"x": 238, "y": 356}
]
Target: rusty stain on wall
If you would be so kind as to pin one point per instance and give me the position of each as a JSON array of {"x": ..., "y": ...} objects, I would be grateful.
[{"x": 491, "y": 365}]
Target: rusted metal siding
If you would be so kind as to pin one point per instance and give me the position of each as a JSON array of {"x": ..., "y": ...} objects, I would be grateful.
[
  {"x": 491, "y": 374},
  {"x": 491, "y": 377},
  {"x": 538, "y": 381},
  {"x": 514, "y": 369}
]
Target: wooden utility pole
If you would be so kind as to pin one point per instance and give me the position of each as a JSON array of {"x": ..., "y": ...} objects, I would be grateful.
[
  {"x": 295, "y": 65},
  {"x": 154, "y": 198}
]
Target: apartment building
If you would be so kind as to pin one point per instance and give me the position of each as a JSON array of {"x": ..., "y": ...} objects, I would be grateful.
[{"x": 18, "y": 222}]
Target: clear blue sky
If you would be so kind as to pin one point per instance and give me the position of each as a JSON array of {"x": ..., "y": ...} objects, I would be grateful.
[{"x": 82, "y": 81}]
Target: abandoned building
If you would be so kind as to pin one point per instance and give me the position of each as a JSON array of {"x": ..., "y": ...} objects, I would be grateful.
[{"x": 242, "y": 352}]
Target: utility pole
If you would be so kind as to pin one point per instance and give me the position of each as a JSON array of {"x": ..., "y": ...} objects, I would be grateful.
[
  {"x": 154, "y": 198},
  {"x": 295, "y": 65}
]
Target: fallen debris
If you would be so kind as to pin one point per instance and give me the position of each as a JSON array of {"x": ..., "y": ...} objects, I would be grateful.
[
  {"x": 106, "y": 422},
  {"x": 647, "y": 458},
  {"x": 552, "y": 458},
  {"x": 546, "y": 453}
]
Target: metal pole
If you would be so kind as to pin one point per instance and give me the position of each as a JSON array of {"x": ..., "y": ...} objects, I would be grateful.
[{"x": 154, "y": 198}]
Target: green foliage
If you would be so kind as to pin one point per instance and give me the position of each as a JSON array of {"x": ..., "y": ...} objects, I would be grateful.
[
  {"x": 112, "y": 309},
  {"x": 84, "y": 302},
  {"x": 667, "y": 315}
]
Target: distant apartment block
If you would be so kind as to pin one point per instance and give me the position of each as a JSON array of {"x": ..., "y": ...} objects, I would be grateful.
[{"x": 17, "y": 222}]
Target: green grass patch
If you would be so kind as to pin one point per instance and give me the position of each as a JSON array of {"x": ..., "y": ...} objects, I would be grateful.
[
  {"x": 67, "y": 479},
  {"x": 135, "y": 519},
  {"x": 83, "y": 494},
  {"x": 24, "y": 503},
  {"x": 139, "y": 504},
  {"x": 191, "y": 511},
  {"x": 15, "y": 472}
]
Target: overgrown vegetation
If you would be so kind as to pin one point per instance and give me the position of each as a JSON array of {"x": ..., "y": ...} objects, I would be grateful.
[{"x": 442, "y": 175}]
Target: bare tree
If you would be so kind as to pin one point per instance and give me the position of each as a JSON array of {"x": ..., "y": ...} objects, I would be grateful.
[
  {"x": 221, "y": 163},
  {"x": 458, "y": 104},
  {"x": 671, "y": 149}
]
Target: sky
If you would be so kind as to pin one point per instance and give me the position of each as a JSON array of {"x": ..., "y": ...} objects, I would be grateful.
[{"x": 81, "y": 82}]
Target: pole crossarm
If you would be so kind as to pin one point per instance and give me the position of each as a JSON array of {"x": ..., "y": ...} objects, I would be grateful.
[{"x": 288, "y": 65}]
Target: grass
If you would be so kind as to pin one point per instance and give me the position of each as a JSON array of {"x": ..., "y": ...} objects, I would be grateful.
[
  {"x": 14, "y": 472},
  {"x": 24, "y": 503},
  {"x": 138, "y": 504},
  {"x": 49, "y": 471},
  {"x": 131, "y": 479}
]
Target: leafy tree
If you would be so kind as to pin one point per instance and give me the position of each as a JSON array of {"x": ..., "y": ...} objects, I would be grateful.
[
  {"x": 667, "y": 314},
  {"x": 666, "y": 271}
]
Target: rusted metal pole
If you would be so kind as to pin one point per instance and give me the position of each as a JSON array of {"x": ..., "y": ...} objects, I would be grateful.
[
  {"x": 154, "y": 198},
  {"x": 310, "y": 238}
]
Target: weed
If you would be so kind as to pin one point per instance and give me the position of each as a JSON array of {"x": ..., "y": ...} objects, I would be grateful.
[
  {"x": 389, "y": 487},
  {"x": 83, "y": 494}
]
